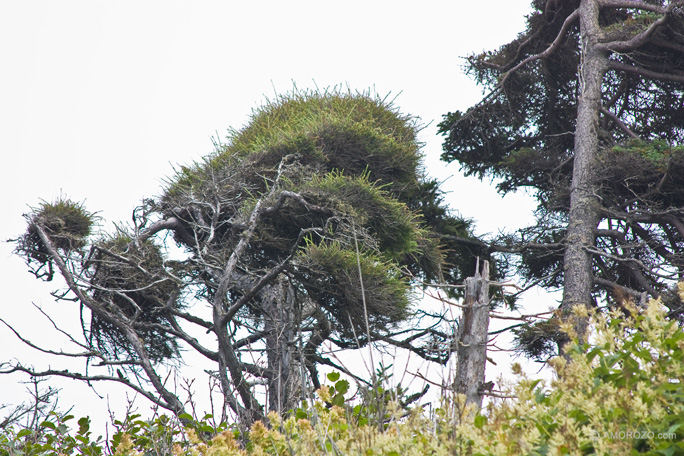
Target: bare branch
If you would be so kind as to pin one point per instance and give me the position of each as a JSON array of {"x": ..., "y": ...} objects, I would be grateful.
[
  {"x": 667, "y": 45},
  {"x": 254, "y": 337},
  {"x": 231, "y": 264},
  {"x": 525, "y": 317},
  {"x": 612, "y": 286},
  {"x": 171, "y": 223},
  {"x": 633, "y": 4},
  {"x": 670, "y": 215},
  {"x": 188, "y": 339},
  {"x": 323, "y": 360},
  {"x": 491, "y": 247},
  {"x": 284, "y": 195},
  {"x": 40, "y": 406},
  {"x": 88, "y": 378},
  {"x": 619, "y": 123},
  {"x": 619, "y": 66},
  {"x": 265, "y": 279},
  {"x": 193, "y": 319},
  {"x": 171, "y": 402},
  {"x": 676, "y": 222},
  {"x": 88, "y": 353},
  {"x": 616, "y": 234}
]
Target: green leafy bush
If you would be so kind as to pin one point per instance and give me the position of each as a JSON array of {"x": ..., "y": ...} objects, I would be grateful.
[
  {"x": 52, "y": 437},
  {"x": 620, "y": 394}
]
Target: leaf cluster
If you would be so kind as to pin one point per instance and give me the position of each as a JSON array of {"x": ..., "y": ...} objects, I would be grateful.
[
  {"x": 647, "y": 175},
  {"x": 353, "y": 162},
  {"x": 130, "y": 277},
  {"x": 621, "y": 393},
  {"x": 522, "y": 134},
  {"x": 68, "y": 225},
  {"x": 53, "y": 437}
]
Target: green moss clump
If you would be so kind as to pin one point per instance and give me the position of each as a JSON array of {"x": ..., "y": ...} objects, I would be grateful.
[
  {"x": 344, "y": 168},
  {"x": 330, "y": 131},
  {"x": 331, "y": 274},
  {"x": 651, "y": 170},
  {"x": 130, "y": 279},
  {"x": 66, "y": 223},
  {"x": 657, "y": 152},
  {"x": 388, "y": 220}
]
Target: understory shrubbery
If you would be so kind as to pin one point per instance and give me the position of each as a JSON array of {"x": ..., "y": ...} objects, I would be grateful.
[{"x": 620, "y": 394}]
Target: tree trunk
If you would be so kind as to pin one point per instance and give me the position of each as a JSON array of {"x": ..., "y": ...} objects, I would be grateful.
[
  {"x": 472, "y": 338},
  {"x": 279, "y": 316},
  {"x": 583, "y": 216}
]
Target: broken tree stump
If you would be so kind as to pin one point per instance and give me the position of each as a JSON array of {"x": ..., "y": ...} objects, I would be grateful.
[{"x": 472, "y": 338}]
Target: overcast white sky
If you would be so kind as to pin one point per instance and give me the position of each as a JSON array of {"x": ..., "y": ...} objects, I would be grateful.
[{"x": 98, "y": 99}]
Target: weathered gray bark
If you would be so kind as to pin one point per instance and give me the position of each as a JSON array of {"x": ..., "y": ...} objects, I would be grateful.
[
  {"x": 472, "y": 338},
  {"x": 279, "y": 318},
  {"x": 584, "y": 216},
  {"x": 250, "y": 411}
]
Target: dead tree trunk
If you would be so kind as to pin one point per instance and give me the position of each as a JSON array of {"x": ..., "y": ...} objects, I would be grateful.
[{"x": 472, "y": 338}]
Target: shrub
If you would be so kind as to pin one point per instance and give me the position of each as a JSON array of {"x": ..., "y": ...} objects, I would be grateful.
[{"x": 622, "y": 393}]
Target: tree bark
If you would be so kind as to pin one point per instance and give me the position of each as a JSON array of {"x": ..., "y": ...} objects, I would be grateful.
[
  {"x": 250, "y": 411},
  {"x": 472, "y": 338},
  {"x": 279, "y": 317},
  {"x": 584, "y": 206}
]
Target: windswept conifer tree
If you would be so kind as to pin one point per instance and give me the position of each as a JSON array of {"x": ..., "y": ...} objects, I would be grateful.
[
  {"x": 585, "y": 109},
  {"x": 307, "y": 228}
]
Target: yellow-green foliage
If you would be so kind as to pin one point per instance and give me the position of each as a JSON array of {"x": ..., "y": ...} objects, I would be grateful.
[
  {"x": 332, "y": 274},
  {"x": 66, "y": 223},
  {"x": 349, "y": 132},
  {"x": 622, "y": 394},
  {"x": 391, "y": 223}
]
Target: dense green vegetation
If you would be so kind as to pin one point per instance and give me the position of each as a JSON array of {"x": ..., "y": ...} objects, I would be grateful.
[
  {"x": 307, "y": 229},
  {"x": 583, "y": 109}
]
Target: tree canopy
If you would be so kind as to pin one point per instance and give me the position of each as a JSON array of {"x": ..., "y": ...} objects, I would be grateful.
[
  {"x": 585, "y": 110},
  {"x": 309, "y": 226}
]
